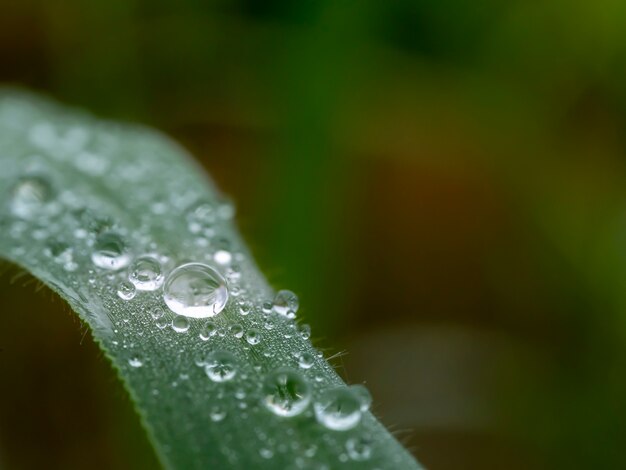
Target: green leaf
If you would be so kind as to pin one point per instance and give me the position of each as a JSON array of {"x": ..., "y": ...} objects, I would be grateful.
[{"x": 81, "y": 200}]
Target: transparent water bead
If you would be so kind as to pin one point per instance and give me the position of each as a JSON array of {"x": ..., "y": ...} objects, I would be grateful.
[
  {"x": 338, "y": 409},
  {"x": 286, "y": 303},
  {"x": 126, "y": 290},
  {"x": 286, "y": 392},
  {"x": 306, "y": 360},
  {"x": 135, "y": 362},
  {"x": 146, "y": 273},
  {"x": 253, "y": 336},
  {"x": 180, "y": 324},
  {"x": 29, "y": 196},
  {"x": 221, "y": 366},
  {"x": 195, "y": 290},
  {"x": 110, "y": 252},
  {"x": 359, "y": 448}
]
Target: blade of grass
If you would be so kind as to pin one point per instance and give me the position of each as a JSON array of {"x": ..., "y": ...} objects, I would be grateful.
[{"x": 71, "y": 186}]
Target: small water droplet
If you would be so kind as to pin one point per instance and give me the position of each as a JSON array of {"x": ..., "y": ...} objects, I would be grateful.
[
  {"x": 221, "y": 366},
  {"x": 29, "y": 196},
  {"x": 286, "y": 302},
  {"x": 157, "y": 313},
  {"x": 200, "y": 216},
  {"x": 236, "y": 331},
  {"x": 253, "y": 336},
  {"x": 245, "y": 307},
  {"x": 305, "y": 331},
  {"x": 209, "y": 329},
  {"x": 359, "y": 448},
  {"x": 110, "y": 252},
  {"x": 306, "y": 360},
  {"x": 135, "y": 362},
  {"x": 267, "y": 306},
  {"x": 180, "y": 324},
  {"x": 217, "y": 414},
  {"x": 286, "y": 392},
  {"x": 266, "y": 453},
  {"x": 338, "y": 409},
  {"x": 195, "y": 290},
  {"x": 126, "y": 290},
  {"x": 145, "y": 273},
  {"x": 222, "y": 257}
]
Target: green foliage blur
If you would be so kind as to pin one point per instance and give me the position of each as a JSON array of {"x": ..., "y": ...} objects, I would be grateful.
[{"x": 441, "y": 182}]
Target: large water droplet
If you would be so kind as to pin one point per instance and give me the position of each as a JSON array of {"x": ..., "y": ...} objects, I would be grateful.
[
  {"x": 145, "y": 273},
  {"x": 221, "y": 366},
  {"x": 338, "y": 409},
  {"x": 286, "y": 303},
  {"x": 286, "y": 392},
  {"x": 195, "y": 290},
  {"x": 29, "y": 196},
  {"x": 110, "y": 252}
]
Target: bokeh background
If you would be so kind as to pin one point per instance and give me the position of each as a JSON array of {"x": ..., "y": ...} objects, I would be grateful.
[{"x": 441, "y": 182}]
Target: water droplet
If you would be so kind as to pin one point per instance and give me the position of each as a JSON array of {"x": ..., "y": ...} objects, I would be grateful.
[
  {"x": 363, "y": 394},
  {"x": 157, "y": 313},
  {"x": 236, "y": 331},
  {"x": 266, "y": 453},
  {"x": 135, "y": 362},
  {"x": 267, "y": 306},
  {"x": 110, "y": 252},
  {"x": 29, "y": 196},
  {"x": 286, "y": 393},
  {"x": 359, "y": 448},
  {"x": 145, "y": 273},
  {"x": 306, "y": 360},
  {"x": 221, "y": 366},
  {"x": 195, "y": 290},
  {"x": 305, "y": 331},
  {"x": 126, "y": 290},
  {"x": 200, "y": 216},
  {"x": 222, "y": 257},
  {"x": 253, "y": 336},
  {"x": 286, "y": 302},
  {"x": 209, "y": 329},
  {"x": 338, "y": 409},
  {"x": 245, "y": 307},
  {"x": 180, "y": 324},
  {"x": 217, "y": 414}
]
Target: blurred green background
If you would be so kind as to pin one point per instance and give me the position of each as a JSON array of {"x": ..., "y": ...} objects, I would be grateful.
[{"x": 441, "y": 182}]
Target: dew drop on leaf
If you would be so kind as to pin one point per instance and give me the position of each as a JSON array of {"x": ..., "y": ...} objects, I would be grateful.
[
  {"x": 29, "y": 196},
  {"x": 126, "y": 290},
  {"x": 338, "y": 409},
  {"x": 285, "y": 302},
  {"x": 145, "y": 273},
  {"x": 253, "y": 336},
  {"x": 359, "y": 448},
  {"x": 286, "y": 392},
  {"x": 135, "y": 362},
  {"x": 305, "y": 360},
  {"x": 221, "y": 366},
  {"x": 180, "y": 324},
  {"x": 195, "y": 290},
  {"x": 110, "y": 252}
]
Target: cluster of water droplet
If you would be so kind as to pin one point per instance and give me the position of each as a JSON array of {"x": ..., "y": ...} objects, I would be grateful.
[{"x": 140, "y": 288}]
